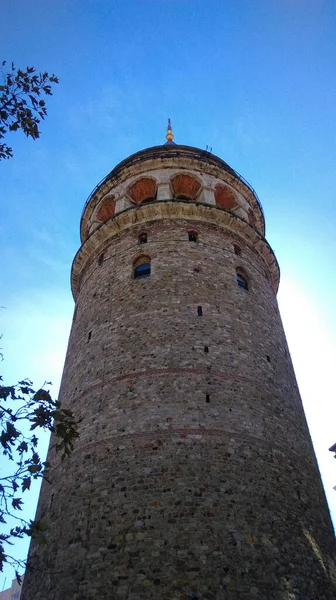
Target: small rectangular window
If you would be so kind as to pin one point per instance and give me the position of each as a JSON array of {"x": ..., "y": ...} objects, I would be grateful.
[
  {"x": 143, "y": 238},
  {"x": 199, "y": 311},
  {"x": 192, "y": 236},
  {"x": 89, "y": 336},
  {"x": 207, "y": 398},
  {"x": 206, "y": 349}
]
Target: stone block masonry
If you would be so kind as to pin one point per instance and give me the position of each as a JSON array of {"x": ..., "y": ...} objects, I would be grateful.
[{"x": 194, "y": 475}]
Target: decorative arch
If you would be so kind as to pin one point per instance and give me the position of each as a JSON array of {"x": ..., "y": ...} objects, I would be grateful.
[
  {"x": 185, "y": 186},
  {"x": 143, "y": 189},
  {"x": 225, "y": 197},
  {"x": 106, "y": 209}
]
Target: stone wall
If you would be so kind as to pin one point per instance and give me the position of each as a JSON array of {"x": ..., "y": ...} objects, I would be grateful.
[{"x": 194, "y": 475}]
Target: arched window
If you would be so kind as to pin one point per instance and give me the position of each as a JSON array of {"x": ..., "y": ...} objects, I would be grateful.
[
  {"x": 242, "y": 281},
  {"x": 142, "y": 267},
  {"x": 143, "y": 238},
  {"x": 192, "y": 235},
  {"x": 237, "y": 249}
]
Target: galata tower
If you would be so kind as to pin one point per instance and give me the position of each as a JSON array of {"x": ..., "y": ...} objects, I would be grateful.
[{"x": 194, "y": 476}]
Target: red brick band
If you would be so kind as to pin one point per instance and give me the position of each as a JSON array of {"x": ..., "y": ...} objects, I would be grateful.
[{"x": 177, "y": 371}]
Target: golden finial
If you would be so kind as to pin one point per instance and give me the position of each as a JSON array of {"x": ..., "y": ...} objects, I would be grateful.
[{"x": 169, "y": 134}]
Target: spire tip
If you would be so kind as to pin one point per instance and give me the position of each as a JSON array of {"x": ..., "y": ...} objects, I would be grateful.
[{"x": 169, "y": 134}]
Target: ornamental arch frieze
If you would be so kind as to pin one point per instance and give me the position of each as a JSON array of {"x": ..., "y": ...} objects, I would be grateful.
[{"x": 164, "y": 178}]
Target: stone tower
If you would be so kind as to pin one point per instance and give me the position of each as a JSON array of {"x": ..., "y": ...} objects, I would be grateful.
[{"x": 194, "y": 475}]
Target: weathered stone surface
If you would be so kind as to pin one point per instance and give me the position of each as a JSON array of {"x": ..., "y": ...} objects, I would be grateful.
[{"x": 194, "y": 476}]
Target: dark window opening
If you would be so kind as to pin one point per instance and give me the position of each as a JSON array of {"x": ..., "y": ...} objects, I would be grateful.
[
  {"x": 89, "y": 336},
  {"x": 268, "y": 358},
  {"x": 242, "y": 281},
  {"x": 199, "y": 311},
  {"x": 192, "y": 236},
  {"x": 101, "y": 259},
  {"x": 142, "y": 271},
  {"x": 206, "y": 349},
  {"x": 237, "y": 249},
  {"x": 143, "y": 238},
  {"x": 207, "y": 398},
  {"x": 196, "y": 270}
]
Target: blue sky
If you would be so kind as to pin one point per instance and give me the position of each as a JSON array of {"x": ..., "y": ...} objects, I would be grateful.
[{"x": 253, "y": 79}]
